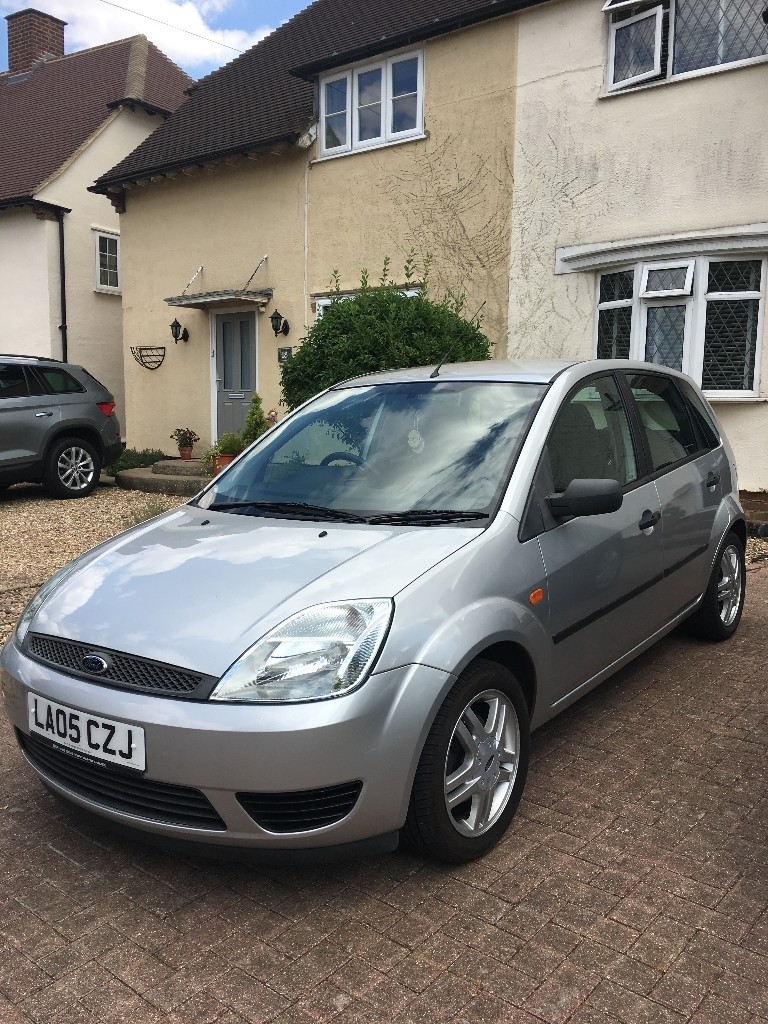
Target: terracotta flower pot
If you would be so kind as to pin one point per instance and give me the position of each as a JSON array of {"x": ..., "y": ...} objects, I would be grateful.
[
  {"x": 220, "y": 461},
  {"x": 185, "y": 452}
]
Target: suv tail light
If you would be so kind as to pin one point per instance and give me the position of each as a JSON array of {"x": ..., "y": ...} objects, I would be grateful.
[{"x": 108, "y": 408}]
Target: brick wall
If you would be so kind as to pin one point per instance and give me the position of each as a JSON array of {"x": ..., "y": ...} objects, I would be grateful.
[{"x": 30, "y": 35}]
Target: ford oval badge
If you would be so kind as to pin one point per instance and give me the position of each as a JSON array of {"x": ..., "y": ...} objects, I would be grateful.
[{"x": 95, "y": 664}]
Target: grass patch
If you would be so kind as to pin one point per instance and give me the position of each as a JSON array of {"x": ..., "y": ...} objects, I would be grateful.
[{"x": 151, "y": 508}]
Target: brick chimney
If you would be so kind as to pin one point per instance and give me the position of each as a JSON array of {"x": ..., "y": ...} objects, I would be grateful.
[{"x": 30, "y": 35}]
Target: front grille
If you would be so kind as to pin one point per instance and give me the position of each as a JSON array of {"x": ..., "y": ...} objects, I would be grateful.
[
  {"x": 301, "y": 811},
  {"x": 125, "y": 670},
  {"x": 115, "y": 789}
]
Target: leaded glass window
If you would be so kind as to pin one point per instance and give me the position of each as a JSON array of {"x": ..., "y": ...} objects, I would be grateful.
[
  {"x": 713, "y": 32},
  {"x": 701, "y": 315},
  {"x": 650, "y": 42}
]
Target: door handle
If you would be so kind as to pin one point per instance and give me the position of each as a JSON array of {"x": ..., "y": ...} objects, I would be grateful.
[
  {"x": 649, "y": 519},
  {"x": 713, "y": 479},
  {"x": 39, "y": 415}
]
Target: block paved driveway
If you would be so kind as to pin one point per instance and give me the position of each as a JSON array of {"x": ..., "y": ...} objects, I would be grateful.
[{"x": 632, "y": 887}]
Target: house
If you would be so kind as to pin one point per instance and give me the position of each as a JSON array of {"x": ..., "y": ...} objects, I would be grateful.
[
  {"x": 64, "y": 120},
  {"x": 641, "y": 196},
  {"x": 587, "y": 172},
  {"x": 357, "y": 130}
]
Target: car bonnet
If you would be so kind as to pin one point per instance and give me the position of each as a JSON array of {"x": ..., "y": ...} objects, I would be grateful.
[{"x": 196, "y": 589}]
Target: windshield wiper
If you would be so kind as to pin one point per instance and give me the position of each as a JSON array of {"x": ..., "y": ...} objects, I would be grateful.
[
  {"x": 317, "y": 511},
  {"x": 427, "y": 517}
]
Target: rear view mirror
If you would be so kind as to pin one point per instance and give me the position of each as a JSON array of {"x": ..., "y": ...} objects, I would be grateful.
[{"x": 586, "y": 498}]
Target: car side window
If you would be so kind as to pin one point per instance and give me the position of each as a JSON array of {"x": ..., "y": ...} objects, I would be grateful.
[
  {"x": 13, "y": 383},
  {"x": 701, "y": 415},
  {"x": 60, "y": 382},
  {"x": 665, "y": 420},
  {"x": 591, "y": 438}
]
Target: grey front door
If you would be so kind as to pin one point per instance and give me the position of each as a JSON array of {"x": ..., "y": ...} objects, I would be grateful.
[{"x": 235, "y": 369}]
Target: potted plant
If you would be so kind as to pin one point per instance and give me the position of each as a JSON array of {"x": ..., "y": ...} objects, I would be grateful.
[
  {"x": 226, "y": 448},
  {"x": 185, "y": 438}
]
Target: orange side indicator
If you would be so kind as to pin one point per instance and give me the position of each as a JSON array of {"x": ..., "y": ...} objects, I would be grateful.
[{"x": 536, "y": 596}]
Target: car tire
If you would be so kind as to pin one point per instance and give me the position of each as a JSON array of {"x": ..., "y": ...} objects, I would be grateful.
[
  {"x": 72, "y": 468},
  {"x": 472, "y": 769},
  {"x": 719, "y": 613}
]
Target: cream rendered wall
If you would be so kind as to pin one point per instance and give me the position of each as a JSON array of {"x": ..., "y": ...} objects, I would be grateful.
[
  {"x": 682, "y": 156},
  {"x": 29, "y": 288},
  {"x": 225, "y": 219},
  {"x": 448, "y": 195},
  {"x": 94, "y": 318}
]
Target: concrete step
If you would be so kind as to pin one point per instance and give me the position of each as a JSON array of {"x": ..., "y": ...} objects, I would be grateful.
[
  {"x": 156, "y": 483},
  {"x": 178, "y": 467}
]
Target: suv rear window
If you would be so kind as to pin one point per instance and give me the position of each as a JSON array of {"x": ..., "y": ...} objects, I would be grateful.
[{"x": 59, "y": 381}]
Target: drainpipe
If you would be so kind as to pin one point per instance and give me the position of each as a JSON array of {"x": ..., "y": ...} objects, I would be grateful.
[{"x": 63, "y": 286}]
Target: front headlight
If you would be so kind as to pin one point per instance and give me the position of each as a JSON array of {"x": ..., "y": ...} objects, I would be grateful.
[
  {"x": 34, "y": 606},
  {"x": 325, "y": 651}
]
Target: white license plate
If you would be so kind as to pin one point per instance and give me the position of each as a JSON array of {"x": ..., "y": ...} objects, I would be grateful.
[{"x": 91, "y": 735}]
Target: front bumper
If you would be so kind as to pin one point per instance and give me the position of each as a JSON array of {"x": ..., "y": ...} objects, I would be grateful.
[{"x": 373, "y": 736}]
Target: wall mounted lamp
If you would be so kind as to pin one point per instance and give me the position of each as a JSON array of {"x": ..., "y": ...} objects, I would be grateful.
[
  {"x": 179, "y": 333},
  {"x": 279, "y": 325}
]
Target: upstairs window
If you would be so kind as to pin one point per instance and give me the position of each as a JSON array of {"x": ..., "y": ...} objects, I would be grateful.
[
  {"x": 700, "y": 315},
  {"x": 656, "y": 41},
  {"x": 372, "y": 105},
  {"x": 107, "y": 250}
]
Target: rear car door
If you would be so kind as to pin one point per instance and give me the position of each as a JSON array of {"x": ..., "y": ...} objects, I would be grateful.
[
  {"x": 604, "y": 572},
  {"x": 27, "y": 415},
  {"x": 689, "y": 468}
]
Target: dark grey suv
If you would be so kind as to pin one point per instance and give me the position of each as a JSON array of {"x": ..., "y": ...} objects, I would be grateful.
[{"x": 57, "y": 426}]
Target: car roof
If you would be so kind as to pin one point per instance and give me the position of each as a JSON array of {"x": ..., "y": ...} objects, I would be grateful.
[
  {"x": 530, "y": 371},
  {"x": 19, "y": 358},
  {"x": 522, "y": 371}
]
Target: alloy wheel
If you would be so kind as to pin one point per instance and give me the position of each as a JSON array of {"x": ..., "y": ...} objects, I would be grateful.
[
  {"x": 729, "y": 585},
  {"x": 75, "y": 468},
  {"x": 482, "y": 762}
]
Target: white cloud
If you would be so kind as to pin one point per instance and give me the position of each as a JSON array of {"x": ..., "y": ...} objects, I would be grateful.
[{"x": 91, "y": 22}]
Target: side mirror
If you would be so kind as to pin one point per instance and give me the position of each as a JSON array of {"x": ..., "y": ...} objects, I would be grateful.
[{"x": 586, "y": 498}]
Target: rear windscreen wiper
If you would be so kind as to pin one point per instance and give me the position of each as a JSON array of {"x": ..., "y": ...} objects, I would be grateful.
[{"x": 290, "y": 507}]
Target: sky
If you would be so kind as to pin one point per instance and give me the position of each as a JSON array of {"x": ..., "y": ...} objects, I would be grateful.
[{"x": 225, "y": 25}]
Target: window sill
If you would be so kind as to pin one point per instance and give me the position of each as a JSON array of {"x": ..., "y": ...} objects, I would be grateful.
[
  {"x": 369, "y": 149},
  {"x": 737, "y": 65},
  {"x": 108, "y": 291},
  {"x": 718, "y": 396}
]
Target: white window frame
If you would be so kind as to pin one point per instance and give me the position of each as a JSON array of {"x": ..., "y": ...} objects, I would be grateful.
[
  {"x": 388, "y": 137},
  {"x": 696, "y": 312},
  {"x": 616, "y": 26},
  {"x": 610, "y": 8},
  {"x": 323, "y": 302},
  {"x": 98, "y": 286},
  {"x": 667, "y": 293}
]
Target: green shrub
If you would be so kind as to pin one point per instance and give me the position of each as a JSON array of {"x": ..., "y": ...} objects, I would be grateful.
[
  {"x": 380, "y": 329},
  {"x": 230, "y": 443},
  {"x": 133, "y": 459},
  {"x": 255, "y": 422}
]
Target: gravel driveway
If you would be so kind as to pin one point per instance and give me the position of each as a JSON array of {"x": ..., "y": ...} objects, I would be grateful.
[{"x": 632, "y": 887}]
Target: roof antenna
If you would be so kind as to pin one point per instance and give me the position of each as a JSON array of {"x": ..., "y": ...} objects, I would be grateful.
[{"x": 438, "y": 368}]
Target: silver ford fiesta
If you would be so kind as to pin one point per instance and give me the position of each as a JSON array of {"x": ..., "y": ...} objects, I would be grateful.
[{"x": 349, "y": 635}]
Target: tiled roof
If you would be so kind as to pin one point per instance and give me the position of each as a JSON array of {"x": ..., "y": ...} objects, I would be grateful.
[
  {"x": 266, "y": 95},
  {"x": 46, "y": 114}
]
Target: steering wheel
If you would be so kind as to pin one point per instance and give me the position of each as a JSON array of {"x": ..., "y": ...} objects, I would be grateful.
[{"x": 349, "y": 457}]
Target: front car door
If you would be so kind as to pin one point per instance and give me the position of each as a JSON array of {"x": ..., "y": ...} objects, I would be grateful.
[
  {"x": 688, "y": 465},
  {"x": 235, "y": 369},
  {"x": 604, "y": 572}
]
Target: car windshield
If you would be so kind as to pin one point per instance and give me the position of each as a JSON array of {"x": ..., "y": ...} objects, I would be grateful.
[{"x": 427, "y": 450}]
